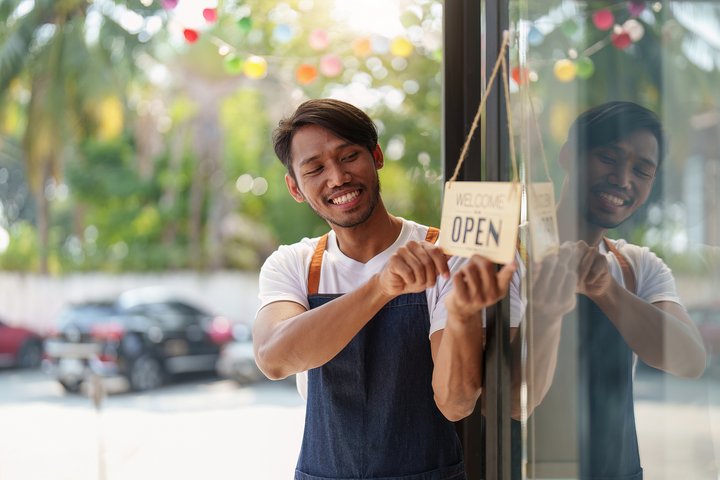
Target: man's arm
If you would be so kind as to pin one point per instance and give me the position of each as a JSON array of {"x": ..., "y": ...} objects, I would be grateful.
[
  {"x": 553, "y": 285},
  {"x": 457, "y": 350},
  {"x": 661, "y": 334},
  {"x": 289, "y": 339}
]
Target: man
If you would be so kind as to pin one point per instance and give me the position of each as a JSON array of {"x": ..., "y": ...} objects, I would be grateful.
[
  {"x": 628, "y": 306},
  {"x": 389, "y": 329}
]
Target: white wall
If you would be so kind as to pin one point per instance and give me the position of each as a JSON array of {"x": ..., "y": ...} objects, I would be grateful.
[{"x": 34, "y": 300}]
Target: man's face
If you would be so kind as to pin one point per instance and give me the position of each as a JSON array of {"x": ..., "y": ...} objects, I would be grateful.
[
  {"x": 619, "y": 178},
  {"x": 336, "y": 178}
]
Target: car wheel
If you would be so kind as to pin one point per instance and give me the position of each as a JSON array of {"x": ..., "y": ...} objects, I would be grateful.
[
  {"x": 30, "y": 355},
  {"x": 146, "y": 373},
  {"x": 70, "y": 387}
]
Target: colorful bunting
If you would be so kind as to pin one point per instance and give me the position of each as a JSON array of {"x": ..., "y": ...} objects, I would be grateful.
[
  {"x": 603, "y": 19},
  {"x": 255, "y": 67},
  {"x": 331, "y": 65},
  {"x": 306, "y": 74},
  {"x": 191, "y": 36},
  {"x": 210, "y": 15}
]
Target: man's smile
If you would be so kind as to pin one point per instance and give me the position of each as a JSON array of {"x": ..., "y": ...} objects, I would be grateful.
[
  {"x": 613, "y": 199},
  {"x": 344, "y": 198}
]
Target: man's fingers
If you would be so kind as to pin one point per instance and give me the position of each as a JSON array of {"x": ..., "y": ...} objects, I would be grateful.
[
  {"x": 439, "y": 259},
  {"x": 426, "y": 263},
  {"x": 400, "y": 267},
  {"x": 505, "y": 275},
  {"x": 461, "y": 287}
]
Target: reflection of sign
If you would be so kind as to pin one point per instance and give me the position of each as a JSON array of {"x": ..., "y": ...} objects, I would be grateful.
[
  {"x": 480, "y": 218},
  {"x": 542, "y": 218}
]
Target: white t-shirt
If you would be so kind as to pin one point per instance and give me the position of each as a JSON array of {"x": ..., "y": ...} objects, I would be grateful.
[
  {"x": 654, "y": 280},
  {"x": 283, "y": 277}
]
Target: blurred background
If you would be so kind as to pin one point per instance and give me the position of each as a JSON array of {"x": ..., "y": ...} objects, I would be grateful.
[{"x": 139, "y": 195}]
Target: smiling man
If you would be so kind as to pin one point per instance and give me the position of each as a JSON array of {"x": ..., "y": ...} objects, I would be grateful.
[
  {"x": 388, "y": 328},
  {"x": 628, "y": 305}
]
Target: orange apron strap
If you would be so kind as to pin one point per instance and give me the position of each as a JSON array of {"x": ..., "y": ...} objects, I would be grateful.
[
  {"x": 432, "y": 235},
  {"x": 315, "y": 265},
  {"x": 316, "y": 262},
  {"x": 627, "y": 271}
]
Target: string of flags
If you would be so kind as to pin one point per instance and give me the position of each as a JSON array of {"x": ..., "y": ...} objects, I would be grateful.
[
  {"x": 621, "y": 22},
  {"x": 254, "y": 66}
]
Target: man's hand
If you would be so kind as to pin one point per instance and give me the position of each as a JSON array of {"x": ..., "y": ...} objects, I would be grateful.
[
  {"x": 476, "y": 286},
  {"x": 554, "y": 281},
  {"x": 594, "y": 278},
  {"x": 413, "y": 268}
]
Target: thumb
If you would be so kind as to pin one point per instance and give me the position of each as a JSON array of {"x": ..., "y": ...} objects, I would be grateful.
[{"x": 505, "y": 274}]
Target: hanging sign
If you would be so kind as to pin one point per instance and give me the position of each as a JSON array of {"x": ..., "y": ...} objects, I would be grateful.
[
  {"x": 542, "y": 219},
  {"x": 481, "y": 218}
]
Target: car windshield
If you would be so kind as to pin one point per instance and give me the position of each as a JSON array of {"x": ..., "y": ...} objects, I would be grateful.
[{"x": 81, "y": 314}]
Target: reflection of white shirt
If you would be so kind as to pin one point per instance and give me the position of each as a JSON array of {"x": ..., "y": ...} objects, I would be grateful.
[
  {"x": 654, "y": 279},
  {"x": 283, "y": 277}
]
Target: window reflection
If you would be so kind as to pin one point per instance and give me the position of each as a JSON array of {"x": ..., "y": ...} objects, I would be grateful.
[{"x": 599, "y": 373}]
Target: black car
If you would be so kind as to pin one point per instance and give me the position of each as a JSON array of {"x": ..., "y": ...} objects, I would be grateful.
[{"x": 141, "y": 338}]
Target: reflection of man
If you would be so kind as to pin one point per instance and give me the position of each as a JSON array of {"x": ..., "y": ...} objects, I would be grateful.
[
  {"x": 628, "y": 304},
  {"x": 393, "y": 352}
]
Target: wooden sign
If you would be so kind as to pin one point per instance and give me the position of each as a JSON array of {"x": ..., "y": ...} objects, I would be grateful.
[
  {"x": 481, "y": 218},
  {"x": 542, "y": 219}
]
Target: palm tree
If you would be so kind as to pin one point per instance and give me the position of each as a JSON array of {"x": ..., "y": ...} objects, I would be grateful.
[{"x": 67, "y": 65}]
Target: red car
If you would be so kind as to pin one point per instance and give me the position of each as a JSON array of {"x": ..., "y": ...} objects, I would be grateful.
[{"x": 19, "y": 347}]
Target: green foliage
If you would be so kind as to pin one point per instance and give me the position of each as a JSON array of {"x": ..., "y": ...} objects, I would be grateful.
[{"x": 22, "y": 251}]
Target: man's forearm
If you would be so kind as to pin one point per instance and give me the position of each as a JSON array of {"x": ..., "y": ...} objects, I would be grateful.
[
  {"x": 659, "y": 338},
  {"x": 543, "y": 333},
  {"x": 312, "y": 338},
  {"x": 457, "y": 374}
]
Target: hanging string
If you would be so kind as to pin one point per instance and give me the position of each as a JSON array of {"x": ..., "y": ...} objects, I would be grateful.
[
  {"x": 476, "y": 120},
  {"x": 538, "y": 133},
  {"x": 508, "y": 112}
]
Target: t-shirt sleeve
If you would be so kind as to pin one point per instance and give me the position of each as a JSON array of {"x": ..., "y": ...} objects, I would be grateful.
[
  {"x": 517, "y": 302},
  {"x": 438, "y": 312},
  {"x": 283, "y": 277},
  {"x": 655, "y": 281}
]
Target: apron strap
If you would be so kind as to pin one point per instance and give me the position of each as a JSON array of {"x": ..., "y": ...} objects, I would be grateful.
[
  {"x": 627, "y": 271},
  {"x": 316, "y": 262},
  {"x": 432, "y": 235},
  {"x": 315, "y": 265}
]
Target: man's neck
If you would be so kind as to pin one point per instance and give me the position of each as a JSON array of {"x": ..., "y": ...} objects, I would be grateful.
[
  {"x": 365, "y": 241},
  {"x": 573, "y": 227}
]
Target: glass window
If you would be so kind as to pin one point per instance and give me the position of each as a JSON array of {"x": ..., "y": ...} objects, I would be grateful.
[{"x": 617, "y": 106}]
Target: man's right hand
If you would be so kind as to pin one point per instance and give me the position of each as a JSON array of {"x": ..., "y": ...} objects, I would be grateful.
[
  {"x": 413, "y": 268},
  {"x": 555, "y": 281}
]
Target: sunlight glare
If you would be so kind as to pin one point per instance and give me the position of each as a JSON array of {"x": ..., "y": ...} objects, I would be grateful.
[
  {"x": 4, "y": 240},
  {"x": 381, "y": 17}
]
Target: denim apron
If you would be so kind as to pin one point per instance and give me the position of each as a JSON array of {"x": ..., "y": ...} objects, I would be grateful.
[
  {"x": 608, "y": 440},
  {"x": 370, "y": 410}
]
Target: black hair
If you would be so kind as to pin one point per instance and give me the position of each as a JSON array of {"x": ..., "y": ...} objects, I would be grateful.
[
  {"x": 341, "y": 118},
  {"x": 610, "y": 122}
]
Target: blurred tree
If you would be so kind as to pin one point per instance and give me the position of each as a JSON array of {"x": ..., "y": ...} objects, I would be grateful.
[{"x": 71, "y": 75}]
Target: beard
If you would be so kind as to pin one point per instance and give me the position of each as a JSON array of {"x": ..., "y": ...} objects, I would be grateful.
[
  {"x": 602, "y": 223},
  {"x": 354, "y": 219}
]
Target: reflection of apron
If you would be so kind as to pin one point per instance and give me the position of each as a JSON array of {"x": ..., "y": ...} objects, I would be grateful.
[
  {"x": 371, "y": 412},
  {"x": 608, "y": 441}
]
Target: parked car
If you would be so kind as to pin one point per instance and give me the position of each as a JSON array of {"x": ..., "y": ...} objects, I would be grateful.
[
  {"x": 144, "y": 337},
  {"x": 707, "y": 319},
  {"x": 237, "y": 360},
  {"x": 19, "y": 347}
]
